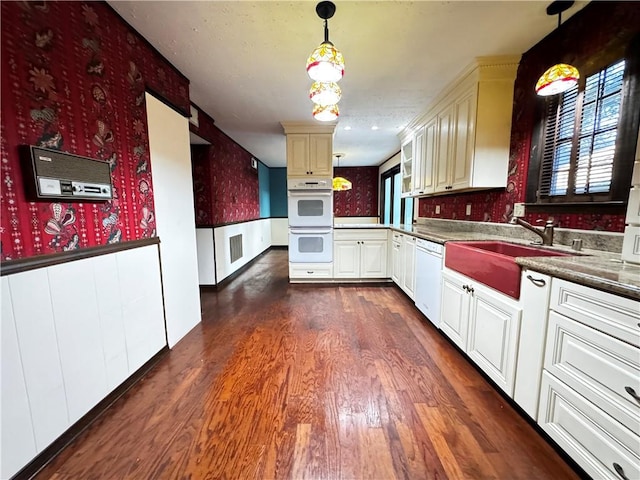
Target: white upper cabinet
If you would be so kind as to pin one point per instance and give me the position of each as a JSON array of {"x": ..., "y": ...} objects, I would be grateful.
[
  {"x": 309, "y": 150},
  {"x": 406, "y": 167},
  {"x": 462, "y": 140}
]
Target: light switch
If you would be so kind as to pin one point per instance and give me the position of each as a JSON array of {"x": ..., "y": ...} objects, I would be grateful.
[
  {"x": 437, "y": 209},
  {"x": 468, "y": 210},
  {"x": 518, "y": 209}
]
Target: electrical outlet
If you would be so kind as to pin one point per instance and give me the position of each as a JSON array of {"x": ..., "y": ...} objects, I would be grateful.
[
  {"x": 437, "y": 209},
  {"x": 468, "y": 211},
  {"x": 518, "y": 209}
]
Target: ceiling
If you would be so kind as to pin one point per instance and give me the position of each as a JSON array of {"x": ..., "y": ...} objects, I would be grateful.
[{"x": 246, "y": 61}]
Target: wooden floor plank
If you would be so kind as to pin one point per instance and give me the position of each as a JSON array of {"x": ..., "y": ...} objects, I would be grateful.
[{"x": 285, "y": 381}]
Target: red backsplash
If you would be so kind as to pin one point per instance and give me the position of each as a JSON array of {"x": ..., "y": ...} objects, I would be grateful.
[
  {"x": 579, "y": 39},
  {"x": 225, "y": 186},
  {"x": 73, "y": 78},
  {"x": 362, "y": 199}
]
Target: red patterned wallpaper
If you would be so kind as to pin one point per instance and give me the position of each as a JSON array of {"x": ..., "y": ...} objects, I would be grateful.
[
  {"x": 226, "y": 187},
  {"x": 362, "y": 199},
  {"x": 73, "y": 78},
  {"x": 576, "y": 41}
]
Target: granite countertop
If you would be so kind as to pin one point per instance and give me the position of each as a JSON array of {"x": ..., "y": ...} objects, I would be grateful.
[{"x": 594, "y": 268}]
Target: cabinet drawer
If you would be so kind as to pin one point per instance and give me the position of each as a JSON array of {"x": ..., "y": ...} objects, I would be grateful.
[
  {"x": 611, "y": 314},
  {"x": 311, "y": 270},
  {"x": 591, "y": 437},
  {"x": 603, "y": 369},
  {"x": 360, "y": 234}
]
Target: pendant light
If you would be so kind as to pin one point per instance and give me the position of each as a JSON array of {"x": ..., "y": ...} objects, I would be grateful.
[
  {"x": 325, "y": 93},
  {"x": 326, "y": 63},
  {"x": 340, "y": 184},
  {"x": 560, "y": 77},
  {"x": 326, "y": 113}
]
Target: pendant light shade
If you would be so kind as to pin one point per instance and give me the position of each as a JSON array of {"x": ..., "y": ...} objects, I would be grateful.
[
  {"x": 325, "y": 93},
  {"x": 340, "y": 184},
  {"x": 325, "y": 113},
  {"x": 557, "y": 79},
  {"x": 326, "y": 63},
  {"x": 561, "y": 77}
]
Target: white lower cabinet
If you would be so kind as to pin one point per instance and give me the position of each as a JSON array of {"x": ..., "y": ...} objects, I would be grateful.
[
  {"x": 409, "y": 262},
  {"x": 589, "y": 401},
  {"x": 310, "y": 271},
  {"x": 396, "y": 259},
  {"x": 360, "y": 253},
  {"x": 485, "y": 324}
]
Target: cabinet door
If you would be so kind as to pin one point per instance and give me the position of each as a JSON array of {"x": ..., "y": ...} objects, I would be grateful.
[
  {"x": 321, "y": 155},
  {"x": 494, "y": 326},
  {"x": 297, "y": 154},
  {"x": 418, "y": 164},
  {"x": 455, "y": 310},
  {"x": 462, "y": 157},
  {"x": 445, "y": 149},
  {"x": 373, "y": 259},
  {"x": 409, "y": 278},
  {"x": 429, "y": 155},
  {"x": 396, "y": 263},
  {"x": 346, "y": 259},
  {"x": 406, "y": 167}
]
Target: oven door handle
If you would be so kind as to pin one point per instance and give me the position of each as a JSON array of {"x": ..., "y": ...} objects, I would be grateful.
[
  {"x": 310, "y": 193},
  {"x": 310, "y": 231}
]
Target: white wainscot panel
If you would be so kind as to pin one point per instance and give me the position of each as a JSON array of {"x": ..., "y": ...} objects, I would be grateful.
[
  {"x": 39, "y": 351},
  {"x": 206, "y": 257},
  {"x": 75, "y": 309},
  {"x": 17, "y": 442},
  {"x": 139, "y": 275},
  {"x": 280, "y": 232},
  {"x": 105, "y": 269},
  {"x": 256, "y": 238}
]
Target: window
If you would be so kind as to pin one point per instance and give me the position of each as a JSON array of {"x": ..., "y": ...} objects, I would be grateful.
[
  {"x": 586, "y": 141},
  {"x": 395, "y": 209}
]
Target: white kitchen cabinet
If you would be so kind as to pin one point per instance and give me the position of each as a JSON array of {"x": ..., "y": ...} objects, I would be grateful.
[
  {"x": 535, "y": 289},
  {"x": 494, "y": 326},
  {"x": 485, "y": 324},
  {"x": 591, "y": 379},
  {"x": 454, "y": 316},
  {"x": 406, "y": 167},
  {"x": 397, "y": 269},
  {"x": 309, "y": 154},
  {"x": 409, "y": 265},
  {"x": 470, "y": 134},
  {"x": 360, "y": 253},
  {"x": 310, "y": 271}
]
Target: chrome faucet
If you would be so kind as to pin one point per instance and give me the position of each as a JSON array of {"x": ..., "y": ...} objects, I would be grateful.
[{"x": 546, "y": 234}]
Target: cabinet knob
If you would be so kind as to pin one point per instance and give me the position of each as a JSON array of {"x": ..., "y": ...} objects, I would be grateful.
[
  {"x": 633, "y": 393},
  {"x": 620, "y": 471}
]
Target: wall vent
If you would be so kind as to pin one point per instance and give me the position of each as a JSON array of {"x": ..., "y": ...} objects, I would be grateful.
[{"x": 235, "y": 247}]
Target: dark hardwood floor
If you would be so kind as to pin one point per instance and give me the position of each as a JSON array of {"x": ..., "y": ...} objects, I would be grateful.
[{"x": 290, "y": 381}]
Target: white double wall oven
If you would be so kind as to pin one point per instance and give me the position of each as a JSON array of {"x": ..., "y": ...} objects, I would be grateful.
[{"x": 310, "y": 203}]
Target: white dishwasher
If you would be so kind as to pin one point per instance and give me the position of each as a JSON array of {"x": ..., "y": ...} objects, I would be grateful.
[{"x": 428, "y": 278}]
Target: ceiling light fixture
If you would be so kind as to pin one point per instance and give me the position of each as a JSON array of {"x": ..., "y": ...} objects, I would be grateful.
[
  {"x": 325, "y": 113},
  {"x": 326, "y": 67},
  {"x": 340, "y": 184},
  {"x": 561, "y": 77},
  {"x": 325, "y": 93},
  {"x": 326, "y": 63}
]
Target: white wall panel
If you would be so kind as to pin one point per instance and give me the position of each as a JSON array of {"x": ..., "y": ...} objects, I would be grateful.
[
  {"x": 141, "y": 294},
  {"x": 206, "y": 257},
  {"x": 105, "y": 269},
  {"x": 280, "y": 232},
  {"x": 39, "y": 351},
  {"x": 17, "y": 441},
  {"x": 256, "y": 238},
  {"x": 173, "y": 198}
]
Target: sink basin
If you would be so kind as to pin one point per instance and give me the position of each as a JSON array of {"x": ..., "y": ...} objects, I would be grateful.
[{"x": 493, "y": 263}]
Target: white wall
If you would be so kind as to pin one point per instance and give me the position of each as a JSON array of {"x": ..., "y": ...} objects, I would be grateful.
[
  {"x": 170, "y": 152},
  {"x": 256, "y": 238},
  {"x": 72, "y": 333},
  {"x": 280, "y": 232},
  {"x": 206, "y": 256}
]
